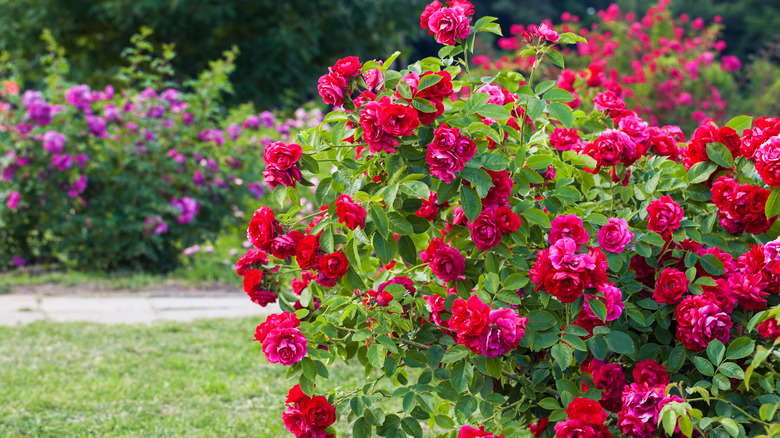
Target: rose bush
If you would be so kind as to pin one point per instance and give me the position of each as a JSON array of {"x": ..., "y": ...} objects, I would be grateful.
[
  {"x": 502, "y": 265},
  {"x": 110, "y": 179}
]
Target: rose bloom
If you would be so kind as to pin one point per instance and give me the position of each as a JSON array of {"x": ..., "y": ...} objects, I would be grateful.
[
  {"x": 285, "y": 346},
  {"x": 484, "y": 231},
  {"x": 334, "y": 265},
  {"x": 470, "y": 432},
  {"x": 307, "y": 253},
  {"x": 504, "y": 332},
  {"x": 608, "y": 101},
  {"x": 566, "y": 285},
  {"x": 767, "y": 159},
  {"x": 449, "y": 25},
  {"x": 569, "y": 226},
  {"x": 769, "y": 329},
  {"x": 350, "y": 214},
  {"x": 664, "y": 215},
  {"x": 507, "y": 220},
  {"x": 565, "y": 139},
  {"x": 708, "y": 323},
  {"x": 274, "y": 321},
  {"x": 443, "y": 164},
  {"x": 651, "y": 373},
  {"x": 282, "y": 155},
  {"x": 283, "y": 246},
  {"x": 252, "y": 257},
  {"x": 502, "y": 189},
  {"x": 610, "y": 380},
  {"x": 614, "y": 236},
  {"x": 611, "y": 145},
  {"x": 539, "y": 427},
  {"x": 447, "y": 263},
  {"x": 470, "y": 320},
  {"x": 331, "y": 88},
  {"x": 347, "y": 67},
  {"x": 13, "y": 200},
  {"x": 399, "y": 120},
  {"x": 428, "y": 209},
  {"x": 263, "y": 228},
  {"x": 563, "y": 256},
  {"x": 670, "y": 286},
  {"x": 749, "y": 289}
]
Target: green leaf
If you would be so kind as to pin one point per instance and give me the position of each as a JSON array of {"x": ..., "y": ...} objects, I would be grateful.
[
  {"x": 704, "y": 366},
  {"x": 701, "y": 172},
  {"x": 720, "y": 154},
  {"x": 428, "y": 81},
  {"x": 621, "y": 343},
  {"x": 598, "y": 308},
  {"x": 773, "y": 203},
  {"x": 407, "y": 249},
  {"x": 731, "y": 426},
  {"x": 562, "y": 112},
  {"x": 598, "y": 347},
  {"x": 326, "y": 240},
  {"x": 539, "y": 161},
  {"x": 405, "y": 90},
  {"x": 740, "y": 124},
  {"x": 676, "y": 358},
  {"x": 715, "y": 351},
  {"x": 386, "y": 249},
  {"x": 558, "y": 94},
  {"x": 478, "y": 178},
  {"x": 487, "y": 131},
  {"x": 534, "y": 108},
  {"x": 470, "y": 202},
  {"x": 376, "y": 355},
  {"x": 712, "y": 264},
  {"x": 493, "y": 111},
  {"x": 379, "y": 216},
  {"x": 494, "y": 367},
  {"x": 555, "y": 57},
  {"x": 575, "y": 342},
  {"x": 361, "y": 428},
  {"x": 454, "y": 354},
  {"x": 461, "y": 375},
  {"x": 537, "y": 217},
  {"x": 549, "y": 403},
  {"x": 562, "y": 354},
  {"x": 731, "y": 370},
  {"x": 740, "y": 347},
  {"x": 400, "y": 224},
  {"x": 423, "y": 105},
  {"x": 476, "y": 102},
  {"x": 669, "y": 420},
  {"x": 416, "y": 188}
]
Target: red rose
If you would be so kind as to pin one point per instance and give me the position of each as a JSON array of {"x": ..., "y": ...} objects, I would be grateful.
[
  {"x": 334, "y": 265},
  {"x": 730, "y": 139},
  {"x": 349, "y": 213},
  {"x": 252, "y": 280},
  {"x": 610, "y": 380},
  {"x": 507, "y": 220},
  {"x": 465, "y": 148},
  {"x": 296, "y": 395},
  {"x": 586, "y": 410},
  {"x": 318, "y": 413},
  {"x": 569, "y": 226},
  {"x": 439, "y": 90},
  {"x": 426, "y": 15},
  {"x": 399, "y": 120},
  {"x": 281, "y": 155},
  {"x": 767, "y": 159},
  {"x": 670, "y": 286},
  {"x": 263, "y": 228},
  {"x": 307, "y": 252},
  {"x": 469, "y": 319},
  {"x": 445, "y": 138},
  {"x": 287, "y": 178},
  {"x": 502, "y": 189},
  {"x": 331, "y": 88},
  {"x": 443, "y": 163},
  {"x": 348, "y": 67},
  {"x": 566, "y": 285},
  {"x": 470, "y": 432},
  {"x": 609, "y": 101},
  {"x": 611, "y": 145},
  {"x": 484, "y": 231},
  {"x": 769, "y": 329},
  {"x": 538, "y": 427},
  {"x": 723, "y": 190},
  {"x": 428, "y": 209},
  {"x": 664, "y": 215},
  {"x": 248, "y": 260},
  {"x": 651, "y": 373}
]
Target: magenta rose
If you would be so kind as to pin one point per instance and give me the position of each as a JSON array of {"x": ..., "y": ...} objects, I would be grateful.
[
  {"x": 651, "y": 373},
  {"x": 767, "y": 159},
  {"x": 443, "y": 163},
  {"x": 610, "y": 380},
  {"x": 504, "y": 332},
  {"x": 612, "y": 299},
  {"x": 285, "y": 346},
  {"x": 507, "y": 220},
  {"x": 399, "y": 120},
  {"x": 565, "y": 139},
  {"x": 568, "y": 226},
  {"x": 281, "y": 155},
  {"x": 470, "y": 320},
  {"x": 347, "y": 67},
  {"x": 447, "y": 263},
  {"x": 614, "y": 236},
  {"x": 331, "y": 88},
  {"x": 485, "y": 231},
  {"x": 611, "y": 145},
  {"x": 350, "y": 214},
  {"x": 449, "y": 25}
]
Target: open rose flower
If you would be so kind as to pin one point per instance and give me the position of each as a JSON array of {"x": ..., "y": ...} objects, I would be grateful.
[
  {"x": 350, "y": 214},
  {"x": 664, "y": 215},
  {"x": 614, "y": 236}
]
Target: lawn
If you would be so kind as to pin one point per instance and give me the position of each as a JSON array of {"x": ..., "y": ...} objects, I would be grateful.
[{"x": 202, "y": 379}]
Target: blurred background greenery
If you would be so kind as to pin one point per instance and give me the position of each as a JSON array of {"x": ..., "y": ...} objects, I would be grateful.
[{"x": 286, "y": 46}]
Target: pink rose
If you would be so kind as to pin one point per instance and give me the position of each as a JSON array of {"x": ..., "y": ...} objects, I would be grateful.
[
  {"x": 614, "y": 236},
  {"x": 651, "y": 373},
  {"x": 281, "y": 155},
  {"x": 331, "y": 88},
  {"x": 449, "y": 25},
  {"x": 347, "y": 67},
  {"x": 504, "y": 332},
  {"x": 612, "y": 299},
  {"x": 565, "y": 139},
  {"x": 568, "y": 226},
  {"x": 447, "y": 263},
  {"x": 563, "y": 256},
  {"x": 485, "y": 231},
  {"x": 13, "y": 200},
  {"x": 767, "y": 159}
]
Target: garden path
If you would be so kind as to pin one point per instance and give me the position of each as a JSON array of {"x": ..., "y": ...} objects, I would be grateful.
[{"x": 147, "y": 308}]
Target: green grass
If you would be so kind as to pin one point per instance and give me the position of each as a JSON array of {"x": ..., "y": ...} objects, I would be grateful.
[{"x": 201, "y": 379}]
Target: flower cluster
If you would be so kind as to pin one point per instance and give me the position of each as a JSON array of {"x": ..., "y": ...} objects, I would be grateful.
[
  {"x": 350, "y": 214},
  {"x": 741, "y": 207},
  {"x": 469, "y": 432},
  {"x": 485, "y": 331},
  {"x": 696, "y": 152},
  {"x": 446, "y": 262},
  {"x": 449, "y": 152},
  {"x": 643, "y": 400},
  {"x": 282, "y": 341},
  {"x": 449, "y": 25},
  {"x": 491, "y": 224},
  {"x": 308, "y": 417},
  {"x": 281, "y": 164}
]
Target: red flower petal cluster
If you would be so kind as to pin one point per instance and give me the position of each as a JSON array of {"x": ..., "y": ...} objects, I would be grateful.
[{"x": 308, "y": 417}]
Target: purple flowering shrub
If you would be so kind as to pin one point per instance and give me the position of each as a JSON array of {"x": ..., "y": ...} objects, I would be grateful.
[{"x": 126, "y": 178}]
